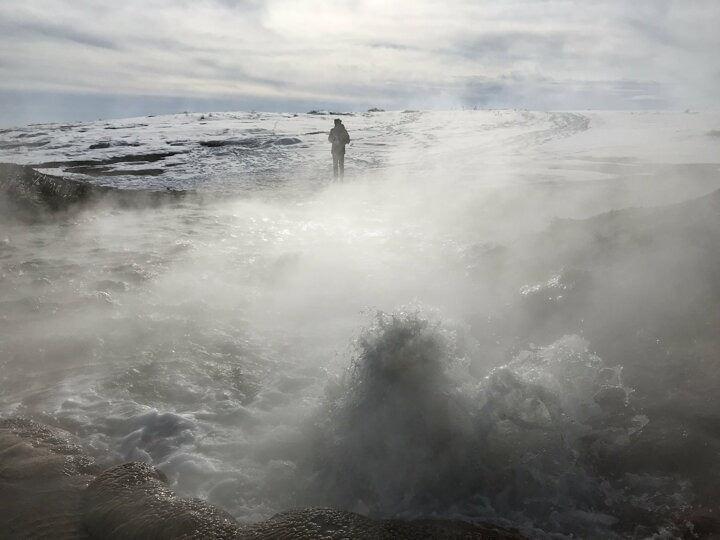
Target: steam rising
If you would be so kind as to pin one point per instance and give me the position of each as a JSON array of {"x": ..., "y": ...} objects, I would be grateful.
[
  {"x": 555, "y": 371},
  {"x": 410, "y": 431}
]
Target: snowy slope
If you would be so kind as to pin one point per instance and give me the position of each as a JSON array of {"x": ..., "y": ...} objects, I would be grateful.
[{"x": 234, "y": 152}]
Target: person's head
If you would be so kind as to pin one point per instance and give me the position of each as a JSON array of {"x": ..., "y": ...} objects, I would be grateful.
[{"x": 338, "y": 121}]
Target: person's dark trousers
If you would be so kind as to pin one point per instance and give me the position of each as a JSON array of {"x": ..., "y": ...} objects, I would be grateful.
[{"x": 338, "y": 165}]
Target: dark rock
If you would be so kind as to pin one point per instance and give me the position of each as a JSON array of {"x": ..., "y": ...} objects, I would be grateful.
[
  {"x": 43, "y": 472},
  {"x": 249, "y": 143},
  {"x": 50, "y": 489},
  {"x": 133, "y": 501},
  {"x": 128, "y": 158},
  {"x": 133, "y": 126},
  {"x": 28, "y": 190},
  {"x": 106, "y": 171},
  {"x": 100, "y": 145},
  {"x": 10, "y": 145},
  {"x": 326, "y": 113},
  {"x": 332, "y": 523},
  {"x": 285, "y": 141},
  {"x": 28, "y": 194}
]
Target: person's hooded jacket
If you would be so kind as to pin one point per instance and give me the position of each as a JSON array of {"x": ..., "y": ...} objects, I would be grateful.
[{"x": 339, "y": 137}]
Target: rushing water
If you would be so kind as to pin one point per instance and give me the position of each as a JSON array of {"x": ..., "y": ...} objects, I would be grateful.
[{"x": 300, "y": 343}]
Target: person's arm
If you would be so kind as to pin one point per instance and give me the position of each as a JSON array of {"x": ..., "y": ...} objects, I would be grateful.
[
  {"x": 347, "y": 137},
  {"x": 331, "y": 137}
]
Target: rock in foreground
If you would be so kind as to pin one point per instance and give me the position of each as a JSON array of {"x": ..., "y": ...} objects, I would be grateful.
[{"x": 50, "y": 489}]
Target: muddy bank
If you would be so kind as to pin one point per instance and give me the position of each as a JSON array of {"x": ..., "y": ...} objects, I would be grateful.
[{"x": 50, "y": 488}]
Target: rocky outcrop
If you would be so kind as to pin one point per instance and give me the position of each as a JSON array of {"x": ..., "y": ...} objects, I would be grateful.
[
  {"x": 27, "y": 193},
  {"x": 49, "y": 488},
  {"x": 132, "y": 500},
  {"x": 331, "y": 524},
  {"x": 148, "y": 157},
  {"x": 43, "y": 473},
  {"x": 251, "y": 142},
  {"x": 28, "y": 189}
]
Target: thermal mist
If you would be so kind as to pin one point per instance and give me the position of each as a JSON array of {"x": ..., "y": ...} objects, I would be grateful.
[{"x": 499, "y": 315}]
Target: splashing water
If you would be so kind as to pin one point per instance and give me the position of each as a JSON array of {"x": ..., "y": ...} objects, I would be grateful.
[{"x": 409, "y": 431}]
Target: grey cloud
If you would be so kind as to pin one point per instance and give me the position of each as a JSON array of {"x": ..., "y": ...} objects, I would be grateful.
[
  {"x": 543, "y": 93},
  {"x": 247, "y": 4},
  {"x": 654, "y": 32},
  {"x": 224, "y": 70},
  {"x": 510, "y": 45},
  {"x": 64, "y": 33},
  {"x": 524, "y": 53},
  {"x": 393, "y": 46}
]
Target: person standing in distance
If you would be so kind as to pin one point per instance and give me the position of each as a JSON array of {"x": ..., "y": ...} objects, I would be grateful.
[{"x": 339, "y": 138}]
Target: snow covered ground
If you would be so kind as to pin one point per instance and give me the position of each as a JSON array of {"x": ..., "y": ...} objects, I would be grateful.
[
  {"x": 227, "y": 151},
  {"x": 514, "y": 360}
]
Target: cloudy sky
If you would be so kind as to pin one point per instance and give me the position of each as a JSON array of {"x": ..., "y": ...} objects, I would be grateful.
[{"x": 81, "y": 59}]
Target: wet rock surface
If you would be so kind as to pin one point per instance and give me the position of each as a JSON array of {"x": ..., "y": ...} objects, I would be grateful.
[
  {"x": 250, "y": 142},
  {"x": 102, "y": 167},
  {"x": 336, "y": 524},
  {"x": 105, "y": 171},
  {"x": 50, "y": 488},
  {"x": 132, "y": 501},
  {"x": 43, "y": 473},
  {"x": 29, "y": 193},
  {"x": 28, "y": 189}
]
